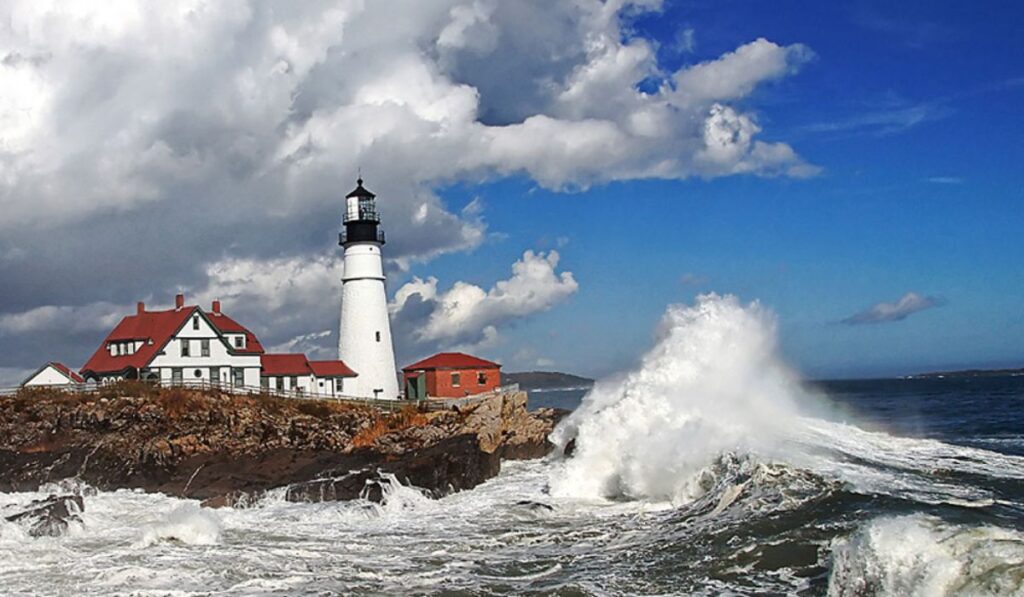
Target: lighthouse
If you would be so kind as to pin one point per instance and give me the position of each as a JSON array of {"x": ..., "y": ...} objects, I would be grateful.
[{"x": 364, "y": 339}]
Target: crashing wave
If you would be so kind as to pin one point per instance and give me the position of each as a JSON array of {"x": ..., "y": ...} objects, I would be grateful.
[{"x": 922, "y": 555}]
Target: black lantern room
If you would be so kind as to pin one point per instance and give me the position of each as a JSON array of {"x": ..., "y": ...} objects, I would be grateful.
[{"x": 361, "y": 220}]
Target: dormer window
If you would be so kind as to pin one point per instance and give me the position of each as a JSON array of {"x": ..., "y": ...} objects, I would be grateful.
[{"x": 239, "y": 341}]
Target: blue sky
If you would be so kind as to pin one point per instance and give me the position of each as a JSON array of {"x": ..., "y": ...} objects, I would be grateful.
[
  {"x": 552, "y": 175},
  {"x": 914, "y": 114}
]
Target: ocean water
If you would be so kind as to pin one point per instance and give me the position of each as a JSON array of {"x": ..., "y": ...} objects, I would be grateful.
[{"x": 710, "y": 469}]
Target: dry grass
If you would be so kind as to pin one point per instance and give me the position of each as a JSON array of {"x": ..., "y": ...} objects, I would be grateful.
[
  {"x": 176, "y": 402},
  {"x": 408, "y": 416}
]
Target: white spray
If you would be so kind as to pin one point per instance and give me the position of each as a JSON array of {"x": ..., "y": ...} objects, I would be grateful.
[{"x": 712, "y": 384}]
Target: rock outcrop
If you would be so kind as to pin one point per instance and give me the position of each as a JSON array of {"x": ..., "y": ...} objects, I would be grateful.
[
  {"x": 226, "y": 449},
  {"x": 49, "y": 517}
]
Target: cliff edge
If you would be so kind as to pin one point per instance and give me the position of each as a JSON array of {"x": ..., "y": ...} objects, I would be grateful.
[{"x": 226, "y": 449}]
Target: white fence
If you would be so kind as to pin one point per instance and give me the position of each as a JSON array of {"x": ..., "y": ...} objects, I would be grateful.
[
  {"x": 227, "y": 388},
  {"x": 298, "y": 394}
]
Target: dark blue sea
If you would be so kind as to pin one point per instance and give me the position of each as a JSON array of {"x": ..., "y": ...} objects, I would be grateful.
[
  {"x": 683, "y": 481},
  {"x": 985, "y": 412}
]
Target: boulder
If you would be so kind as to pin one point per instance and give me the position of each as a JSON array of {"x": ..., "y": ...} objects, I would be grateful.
[{"x": 49, "y": 517}]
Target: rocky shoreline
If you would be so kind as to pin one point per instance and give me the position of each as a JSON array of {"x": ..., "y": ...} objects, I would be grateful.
[{"x": 225, "y": 449}]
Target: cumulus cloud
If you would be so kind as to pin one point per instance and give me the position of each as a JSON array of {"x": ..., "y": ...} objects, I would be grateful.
[
  {"x": 191, "y": 144},
  {"x": 112, "y": 107},
  {"x": 909, "y": 304},
  {"x": 468, "y": 316}
]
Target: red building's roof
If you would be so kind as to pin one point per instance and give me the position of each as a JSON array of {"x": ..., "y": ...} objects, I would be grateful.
[
  {"x": 452, "y": 360},
  {"x": 331, "y": 369},
  {"x": 67, "y": 372},
  {"x": 284, "y": 364},
  {"x": 155, "y": 329},
  {"x": 226, "y": 325}
]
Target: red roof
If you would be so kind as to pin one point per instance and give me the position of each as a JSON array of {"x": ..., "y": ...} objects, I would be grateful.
[
  {"x": 331, "y": 369},
  {"x": 452, "y": 360},
  {"x": 284, "y": 364},
  {"x": 64, "y": 369},
  {"x": 154, "y": 328},
  {"x": 226, "y": 325}
]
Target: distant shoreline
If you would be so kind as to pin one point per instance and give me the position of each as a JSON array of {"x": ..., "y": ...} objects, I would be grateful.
[{"x": 968, "y": 373}]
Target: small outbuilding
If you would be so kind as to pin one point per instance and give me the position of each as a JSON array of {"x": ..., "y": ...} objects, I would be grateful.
[
  {"x": 450, "y": 375},
  {"x": 53, "y": 374}
]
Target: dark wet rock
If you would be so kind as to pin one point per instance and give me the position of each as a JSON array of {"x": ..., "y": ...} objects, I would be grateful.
[
  {"x": 532, "y": 505},
  {"x": 229, "y": 450},
  {"x": 50, "y": 517},
  {"x": 570, "y": 448}
]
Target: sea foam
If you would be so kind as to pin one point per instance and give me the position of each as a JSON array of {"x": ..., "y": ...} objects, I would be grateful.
[
  {"x": 712, "y": 384},
  {"x": 186, "y": 524}
]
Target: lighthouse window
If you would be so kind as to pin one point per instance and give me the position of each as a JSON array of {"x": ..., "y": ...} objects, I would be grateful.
[
  {"x": 456, "y": 380},
  {"x": 378, "y": 336}
]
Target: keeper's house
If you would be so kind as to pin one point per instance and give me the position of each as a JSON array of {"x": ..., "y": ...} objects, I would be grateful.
[
  {"x": 187, "y": 345},
  {"x": 53, "y": 374},
  {"x": 183, "y": 344},
  {"x": 450, "y": 375}
]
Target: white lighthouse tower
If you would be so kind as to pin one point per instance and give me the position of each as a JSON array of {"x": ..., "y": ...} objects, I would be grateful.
[{"x": 364, "y": 341}]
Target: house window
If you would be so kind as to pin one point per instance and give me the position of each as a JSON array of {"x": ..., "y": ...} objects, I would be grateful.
[
  {"x": 238, "y": 341},
  {"x": 294, "y": 381},
  {"x": 239, "y": 376},
  {"x": 215, "y": 375},
  {"x": 175, "y": 375},
  {"x": 481, "y": 378},
  {"x": 204, "y": 347},
  {"x": 264, "y": 383},
  {"x": 184, "y": 347},
  {"x": 198, "y": 373},
  {"x": 195, "y": 322},
  {"x": 280, "y": 383},
  {"x": 456, "y": 380}
]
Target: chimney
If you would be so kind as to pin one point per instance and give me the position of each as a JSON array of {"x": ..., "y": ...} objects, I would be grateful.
[
  {"x": 140, "y": 308},
  {"x": 179, "y": 301},
  {"x": 216, "y": 307}
]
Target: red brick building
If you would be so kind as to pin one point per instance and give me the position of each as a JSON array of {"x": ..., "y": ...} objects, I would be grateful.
[{"x": 450, "y": 375}]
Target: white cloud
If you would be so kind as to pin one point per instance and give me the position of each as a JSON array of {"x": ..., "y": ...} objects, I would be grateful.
[
  {"x": 735, "y": 74},
  {"x": 311, "y": 344},
  {"x": 213, "y": 142},
  {"x": 908, "y": 304},
  {"x": 692, "y": 279},
  {"x": 117, "y": 106},
  {"x": 467, "y": 315},
  {"x": 100, "y": 316}
]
